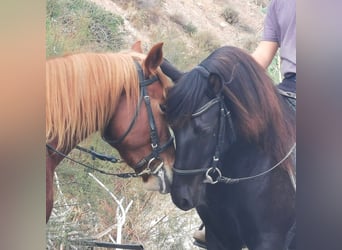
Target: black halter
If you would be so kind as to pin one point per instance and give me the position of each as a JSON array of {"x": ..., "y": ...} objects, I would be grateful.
[
  {"x": 156, "y": 148},
  {"x": 224, "y": 116}
]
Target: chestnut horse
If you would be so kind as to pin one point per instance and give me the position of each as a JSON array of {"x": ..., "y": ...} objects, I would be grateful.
[
  {"x": 235, "y": 138},
  {"x": 118, "y": 94}
]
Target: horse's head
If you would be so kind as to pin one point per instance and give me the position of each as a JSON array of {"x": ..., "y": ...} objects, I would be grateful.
[
  {"x": 227, "y": 98},
  {"x": 193, "y": 109},
  {"x": 138, "y": 129}
]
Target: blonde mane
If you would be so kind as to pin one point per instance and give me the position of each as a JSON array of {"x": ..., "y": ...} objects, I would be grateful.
[{"x": 82, "y": 93}]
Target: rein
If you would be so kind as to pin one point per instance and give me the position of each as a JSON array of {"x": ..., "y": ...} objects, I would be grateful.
[
  {"x": 99, "y": 156},
  {"x": 121, "y": 175},
  {"x": 228, "y": 180}
]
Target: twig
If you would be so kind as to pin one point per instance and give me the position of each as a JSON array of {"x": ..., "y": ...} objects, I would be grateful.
[{"x": 121, "y": 212}]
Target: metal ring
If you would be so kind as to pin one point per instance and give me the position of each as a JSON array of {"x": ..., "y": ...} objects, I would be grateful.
[
  {"x": 209, "y": 179},
  {"x": 149, "y": 163},
  {"x": 155, "y": 171}
]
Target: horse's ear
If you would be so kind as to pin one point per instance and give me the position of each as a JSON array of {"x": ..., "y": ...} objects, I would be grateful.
[
  {"x": 137, "y": 47},
  {"x": 154, "y": 58},
  {"x": 171, "y": 71},
  {"x": 215, "y": 83}
]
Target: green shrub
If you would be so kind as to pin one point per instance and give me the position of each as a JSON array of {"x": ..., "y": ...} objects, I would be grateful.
[
  {"x": 274, "y": 69},
  {"x": 231, "y": 16},
  {"x": 190, "y": 28},
  {"x": 79, "y": 25},
  {"x": 143, "y": 19},
  {"x": 206, "y": 41}
]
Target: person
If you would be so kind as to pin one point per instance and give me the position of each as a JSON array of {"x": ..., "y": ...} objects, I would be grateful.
[{"x": 279, "y": 32}]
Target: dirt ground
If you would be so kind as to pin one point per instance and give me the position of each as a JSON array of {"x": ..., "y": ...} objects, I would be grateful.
[{"x": 206, "y": 15}]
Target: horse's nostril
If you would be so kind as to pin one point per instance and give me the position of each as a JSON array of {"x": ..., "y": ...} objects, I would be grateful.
[
  {"x": 185, "y": 204},
  {"x": 182, "y": 197}
]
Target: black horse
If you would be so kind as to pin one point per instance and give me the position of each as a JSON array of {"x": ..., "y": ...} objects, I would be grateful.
[{"x": 234, "y": 130}]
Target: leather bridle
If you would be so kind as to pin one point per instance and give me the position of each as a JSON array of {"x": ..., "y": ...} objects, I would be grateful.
[
  {"x": 225, "y": 115},
  {"x": 213, "y": 174},
  {"x": 152, "y": 161}
]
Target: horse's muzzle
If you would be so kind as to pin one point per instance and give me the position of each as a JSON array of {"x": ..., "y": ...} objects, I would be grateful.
[{"x": 156, "y": 167}]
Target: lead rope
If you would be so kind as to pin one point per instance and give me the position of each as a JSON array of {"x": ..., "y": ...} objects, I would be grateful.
[
  {"x": 228, "y": 180},
  {"x": 121, "y": 175}
]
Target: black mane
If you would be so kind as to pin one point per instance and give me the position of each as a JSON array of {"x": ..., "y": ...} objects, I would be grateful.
[{"x": 258, "y": 111}]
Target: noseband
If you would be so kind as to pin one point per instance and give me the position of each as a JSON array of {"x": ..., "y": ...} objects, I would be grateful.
[{"x": 153, "y": 162}]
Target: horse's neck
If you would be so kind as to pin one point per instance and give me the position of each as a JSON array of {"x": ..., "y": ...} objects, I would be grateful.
[{"x": 242, "y": 156}]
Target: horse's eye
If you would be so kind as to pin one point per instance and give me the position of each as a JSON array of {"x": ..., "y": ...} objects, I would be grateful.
[
  {"x": 198, "y": 127},
  {"x": 162, "y": 107}
]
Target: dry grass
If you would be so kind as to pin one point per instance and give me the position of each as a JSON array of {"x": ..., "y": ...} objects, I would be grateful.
[
  {"x": 230, "y": 15},
  {"x": 187, "y": 26},
  {"x": 145, "y": 19},
  {"x": 206, "y": 41},
  {"x": 250, "y": 43}
]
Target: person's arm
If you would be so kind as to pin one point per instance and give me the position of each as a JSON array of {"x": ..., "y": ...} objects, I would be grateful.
[{"x": 265, "y": 52}]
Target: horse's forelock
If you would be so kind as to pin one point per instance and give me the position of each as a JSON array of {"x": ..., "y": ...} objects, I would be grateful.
[{"x": 184, "y": 98}]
